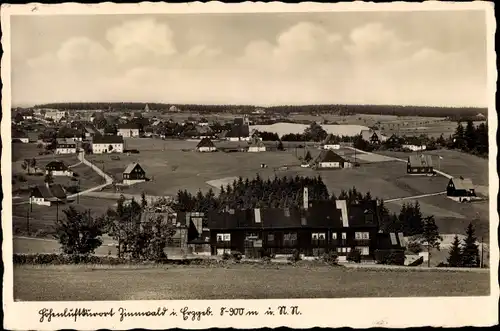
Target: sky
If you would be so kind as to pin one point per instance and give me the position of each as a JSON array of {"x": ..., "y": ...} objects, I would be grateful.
[{"x": 433, "y": 58}]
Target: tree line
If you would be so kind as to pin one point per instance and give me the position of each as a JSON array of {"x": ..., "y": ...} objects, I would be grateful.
[{"x": 398, "y": 110}]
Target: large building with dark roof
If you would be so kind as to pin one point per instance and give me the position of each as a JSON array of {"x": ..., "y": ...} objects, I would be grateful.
[
  {"x": 46, "y": 195},
  {"x": 107, "y": 144},
  {"x": 321, "y": 227},
  {"x": 420, "y": 164}
]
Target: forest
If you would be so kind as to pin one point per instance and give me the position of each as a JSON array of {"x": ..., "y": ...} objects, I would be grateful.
[{"x": 428, "y": 111}]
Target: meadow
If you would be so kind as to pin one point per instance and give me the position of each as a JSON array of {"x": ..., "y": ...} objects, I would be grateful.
[{"x": 85, "y": 283}]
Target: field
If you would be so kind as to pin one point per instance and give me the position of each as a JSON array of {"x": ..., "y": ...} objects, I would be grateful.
[
  {"x": 42, "y": 218},
  {"x": 72, "y": 283}
]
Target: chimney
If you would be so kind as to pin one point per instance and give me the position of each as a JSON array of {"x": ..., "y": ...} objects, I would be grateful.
[{"x": 306, "y": 198}]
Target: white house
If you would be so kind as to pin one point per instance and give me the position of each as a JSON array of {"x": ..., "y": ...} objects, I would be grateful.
[
  {"x": 58, "y": 168},
  {"x": 65, "y": 146},
  {"x": 330, "y": 143},
  {"x": 206, "y": 145},
  {"x": 129, "y": 130},
  {"x": 46, "y": 195},
  {"x": 257, "y": 146},
  {"x": 55, "y": 115},
  {"x": 329, "y": 160},
  {"x": 415, "y": 148},
  {"x": 107, "y": 144}
]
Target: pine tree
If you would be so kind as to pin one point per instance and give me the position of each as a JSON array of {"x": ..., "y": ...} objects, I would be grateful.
[
  {"x": 470, "y": 136},
  {"x": 459, "y": 137},
  {"x": 470, "y": 252},
  {"x": 431, "y": 236},
  {"x": 144, "y": 202},
  {"x": 455, "y": 253}
]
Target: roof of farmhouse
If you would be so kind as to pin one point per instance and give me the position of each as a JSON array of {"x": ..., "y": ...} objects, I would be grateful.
[
  {"x": 462, "y": 183},
  {"x": 205, "y": 142},
  {"x": 129, "y": 126},
  {"x": 52, "y": 192},
  {"x": 330, "y": 156},
  {"x": 131, "y": 167},
  {"x": 420, "y": 160},
  {"x": 320, "y": 214},
  {"x": 107, "y": 139}
]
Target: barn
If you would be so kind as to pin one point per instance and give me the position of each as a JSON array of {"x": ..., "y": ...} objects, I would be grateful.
[
  {"x": 460, "y": 189},
  {"x": 257, "y": 146},
  {"x": 133, "y": 174},
  {"x": 206, "y": 145},
  {"x": 419, "y": 165},
  {"x": 330, "y": 160}
]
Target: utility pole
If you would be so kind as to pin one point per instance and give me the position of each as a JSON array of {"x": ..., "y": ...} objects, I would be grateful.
[
  {"x": 482, "y": 252},
  {"x": 28, "y": 222},
  {"x": 78, "y": 193}
]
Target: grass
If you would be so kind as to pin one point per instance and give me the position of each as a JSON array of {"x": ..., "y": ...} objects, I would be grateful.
[
  {"x": 43, "y": 218},
  {"x": 82, "y": 283}
]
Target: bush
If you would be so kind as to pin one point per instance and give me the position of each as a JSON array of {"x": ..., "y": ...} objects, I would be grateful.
[
  {"x": 331, "y": 258},
  {"x": 266, "y": 259},
  {"x": 442, "y": 265},
  {"x": 390, "y": 256},
  {"x": 354, "y": 256},
  {"x": 57, "y": 259},
  {"x": 236, "y": 255},
  {"x": 75, "y": 174},
  {"x": 226, "y": 256},
  {"x": 414, "y": 247},
  {"x": 295, "y": 256}
]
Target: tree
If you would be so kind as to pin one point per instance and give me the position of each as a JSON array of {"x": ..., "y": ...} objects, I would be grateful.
[
  {"x": 78, "y": 233},
  {"x": 280, "y": 146},
  {"x": 315, "y": 132},
  {"x": 455, "y": 253},
  {"x": 430, "y": 236},
  {"x": 144, "y": 202},
  {"x": 470, "y": 251},
  {"x": 18, "y": 118},
  {"x": 470, "y": 136},
  {"x": 459, "y": 137},
  {"x": 308, "y": 157},
  {"x": 49, "y": 179}
]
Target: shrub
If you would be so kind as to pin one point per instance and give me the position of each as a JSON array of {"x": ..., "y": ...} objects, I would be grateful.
[
  {"x": 390, "y": 256},
  {"x": 236, "y": 255},
  {"x": 75, "y": 174},
  {"x": 266, "y": 259},
  {"x": 226, "y": 256},
  {"x": 295, "y": 256},
  {"x": 354, "y": 256},
  {"x": 331, "y": 258},
  {"x": 414, "y": 247}
]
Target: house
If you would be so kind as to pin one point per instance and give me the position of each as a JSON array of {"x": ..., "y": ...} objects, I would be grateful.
[
  {"x": 460, "y": 189},
  {"x": 374, "y": 137},
  {"x": 134, "y": 173},
  {"x": 330, "y": 160},
  {"x": 419, "y": 164},
  {"x": 90, "y": 131},
  {"x": 65, "y": 146},
  {"x": 257, "y": 146},
  {"x": 46, "y": 195},
  {"x": 129, "y": 130},
  {"x": 394, "y": 142},
  {"x": 413, "y": 144},
  {"x": 107, "y": 144},
  {"x": 240, "y": 130},
  {"x": 414, "y": 148},
  {"x": 58, "y": 168},
  {"x": 174, "y": 109},
  {"x": 19, "y": 137},
  {"x": 330, "y": 143},
  {"x": 206, "y": 145},
  {"x": 55, "y": 115},
  {"x": 320, "y": 227},
  {"x": 146, "y": 109}
]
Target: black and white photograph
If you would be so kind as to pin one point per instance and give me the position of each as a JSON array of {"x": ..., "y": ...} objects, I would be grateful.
[{"x": 191, "y": 154}]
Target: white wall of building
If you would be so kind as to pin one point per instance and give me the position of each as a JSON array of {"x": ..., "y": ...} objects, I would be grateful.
[
  {"x": 331, "y": 146},
  {"x": 329, "y": 164},
  {"x": 257, "y": 149},
  {"x": 206, "y": 149},
  {"x": 60, "y": 172},
  {"x": 39, "y": 201},
  {"x": 128, "y": 133},
  {"x": 415, "y": 148},
  {"x": 103, "y": 148},
  {"x": 66, "y": 150}
]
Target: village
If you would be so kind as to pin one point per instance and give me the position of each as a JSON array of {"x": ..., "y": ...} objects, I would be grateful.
[{"x": 92, "y": 159}]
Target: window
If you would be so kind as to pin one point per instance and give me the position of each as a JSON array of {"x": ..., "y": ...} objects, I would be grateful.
[
  {"x": 334, "y": 236},
  {"x": 362, "y": 235},
  {"x": 364, "y": 250},
  {"x": 290, "y": 239},
  {"x": 344, "y": 236},
  {"x": 366, "y": 235},
  {"x": 270, "y": 237},
  {"x": 339, "y": 249},
  {"x": 223, "y": 237},
  {"x": 220, "y": 237}
]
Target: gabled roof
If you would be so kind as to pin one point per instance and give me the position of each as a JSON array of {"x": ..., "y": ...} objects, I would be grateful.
[
  {"x": 329, "y": 140},
  {"x": 205, "y": 142},
  {"x": 392, "y": 240},
  {"x": 107, "y": 139},
  {"x": 56, "y": 165},
  {"x": 129, "y": 126},
  {"x": 420, "y": 160},
  {"x": 53, "y": 192},
  {"x": 131, "y": 167},
  {"x": 65, "y": 141},
  {"x": 462, "y": 184},
  {"x": 330, "y": 156}
]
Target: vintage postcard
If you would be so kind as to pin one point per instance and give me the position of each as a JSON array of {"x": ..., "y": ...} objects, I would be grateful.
[{"x": 249, "y": 165}]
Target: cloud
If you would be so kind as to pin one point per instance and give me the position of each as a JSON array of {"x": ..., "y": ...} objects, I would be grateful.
[
  {"x": 137, "y": 40},
  {"x": 304, "y": 63}
]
